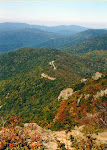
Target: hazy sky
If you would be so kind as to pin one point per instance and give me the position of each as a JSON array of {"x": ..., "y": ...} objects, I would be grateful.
[{"x": 84, "y": 13}]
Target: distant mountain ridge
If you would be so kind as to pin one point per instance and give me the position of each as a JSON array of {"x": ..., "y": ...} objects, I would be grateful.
[
  {"x": 61, "y": 29},
  {"x": 26, "y": 37},
  {"x": 18, "y": 35},
  {"x": 65, "y": 30},
  {"x": 10, "y": 26}
]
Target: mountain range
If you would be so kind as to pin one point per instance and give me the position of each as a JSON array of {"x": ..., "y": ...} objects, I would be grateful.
[
  {"x": 62, "y": 29},
  {"x": 18, "y": 35},
  {"x": 76, "y": 39},
  {"x": 55, "y": 77}
]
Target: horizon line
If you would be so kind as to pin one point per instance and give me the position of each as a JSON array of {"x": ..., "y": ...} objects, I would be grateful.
[{"x": 53, "y": 25}]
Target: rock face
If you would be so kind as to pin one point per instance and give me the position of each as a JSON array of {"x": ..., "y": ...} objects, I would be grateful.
[
  {"x": 83, "y": 80},
  {"x": 97, "y": 76},
  {"x": 40, "y": 138},
  {"x": 100, "y": 94},
  {"x": 30, "y": 126},
  {"x": 87, "y": 96},
  {"x": 47, "y": 137},
  {"x": 48, "y": 77},
  {"x": 52, "y": 64},
  {"x": 78, "y": 101},
  {"x": 64, "y": 94}
]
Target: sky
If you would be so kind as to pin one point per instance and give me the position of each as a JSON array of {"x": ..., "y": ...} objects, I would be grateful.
[{"x": 51, "y": 13}]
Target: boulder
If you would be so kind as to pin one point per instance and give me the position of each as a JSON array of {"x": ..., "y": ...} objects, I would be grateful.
[
  {"x": 100, "y": 94},
  {"x": 31, "y": 126},
  {"x": 83, "y": 80},
  {"x": 97, "y": 76},
  {"x": 64, "y": 94}
]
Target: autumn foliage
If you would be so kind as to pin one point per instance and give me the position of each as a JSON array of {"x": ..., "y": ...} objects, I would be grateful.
[
  {"x": 82, "y": 108},
  {"x": 15, "y": 137}
]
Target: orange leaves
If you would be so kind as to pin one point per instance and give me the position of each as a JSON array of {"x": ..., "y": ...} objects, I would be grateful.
[
  {"x": 11, "y": 145},
  {"x": 33, "y": 96},
  {"x": 35, "y": 136},
  {"x": 16, "y": 137},
  {"x": 35, "y": 145},
  {"x": 26, "y": 148},
  {"x": 14, "y": 120},
  {"x": 2, "y": 144},
  {"x": 39, "y": 144},
  {"x": 63, "y": 113}
]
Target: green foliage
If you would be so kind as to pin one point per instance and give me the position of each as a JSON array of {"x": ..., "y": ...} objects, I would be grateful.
[
  {"x": 61, "y": 146},
  {"x": 75, "y": 40},
  {"x": 96, "y": 43},
  {"x": 103, "y": 99},
  {"x": 90, "y": 129},
  {"x": 78, "y": 86},
  {"x": 28, "y": 37},
  {"x": 24, "y": 93},
  {"x": 88, "y": 144},
  {"x": 26, "y": 60},
  {"x": 58, "y": 126},
  {"x": 37, "y": 38},
  {"x": 82, "y": 107}
]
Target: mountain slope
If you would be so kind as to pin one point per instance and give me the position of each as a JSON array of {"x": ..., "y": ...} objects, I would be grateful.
[
  {"x": 23, "y": 38},
  {"x": 24, "y": 92},
  {"x": 24, "y": 35},
  {"x": 87, "y": 106},
  {"x": 62, "y": 43},
  {"x": 97, "y": 43}
]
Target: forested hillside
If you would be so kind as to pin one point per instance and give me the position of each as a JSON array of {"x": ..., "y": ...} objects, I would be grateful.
[
  {"x": 24, "y": 92},
  {"x": 97, "y": 43},
  {"x": 85, "y": 106},
  {"x": 53, "y": 75},
  {"x": 15, "y": 39},
  {"x": 76, "y": 39},
  {"x": 21, "y": 37}
]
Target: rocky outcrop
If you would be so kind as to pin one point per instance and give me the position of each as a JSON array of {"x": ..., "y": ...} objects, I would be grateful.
[
  {"x": 2, "y": 105},
  {"x": 64, "y": 94},
  {"x": 47, "y": 137},
  {"x": 31, "y": 126},
  {"x": 101, "y": 137},
  {"x": 100, "y": 94},
  {"x": 86, "y": 96},
  {"x": 78, "y": 101},
  {"x": 97, "y": 76},
  {"x": 52, "y": 64},
  {"x": 48, "y": 77},
  {"x": 83, "y": 80},
  {"x": 38, "y": 137}
]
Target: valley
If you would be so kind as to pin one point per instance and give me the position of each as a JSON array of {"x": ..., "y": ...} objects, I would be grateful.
[
  {"x": 53, "y": 87},
  {"x": 71, "y": 38}
]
